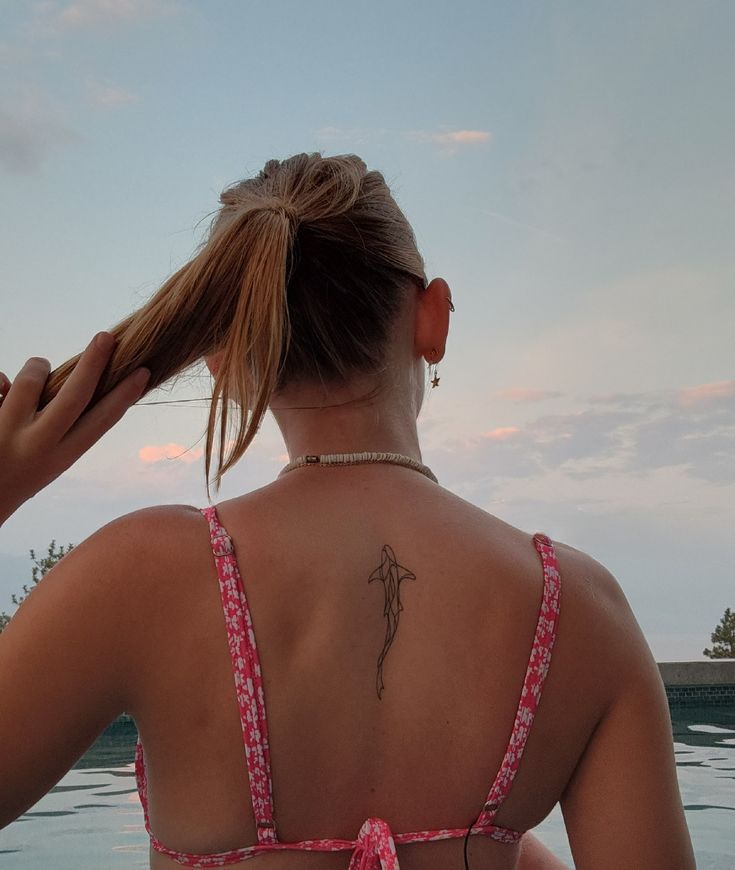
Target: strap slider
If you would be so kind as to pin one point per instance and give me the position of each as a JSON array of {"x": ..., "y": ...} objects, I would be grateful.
[{"x": 222, "y": 545}]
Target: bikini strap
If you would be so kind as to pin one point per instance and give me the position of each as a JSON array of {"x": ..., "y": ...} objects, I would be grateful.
[
  {"x": 538, "y": 667},
  {"x": 248, "y": 677}
]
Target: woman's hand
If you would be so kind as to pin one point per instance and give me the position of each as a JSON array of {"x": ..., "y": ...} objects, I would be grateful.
[{"x": 37, "y": 446}]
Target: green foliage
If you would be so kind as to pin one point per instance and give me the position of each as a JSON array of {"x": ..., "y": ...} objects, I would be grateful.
[
  {"x": 40, "y": 567},
  {"x": 723, "y": 638}
]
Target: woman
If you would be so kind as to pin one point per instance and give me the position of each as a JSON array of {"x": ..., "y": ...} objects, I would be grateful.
[{"x": 435, "y": 679}]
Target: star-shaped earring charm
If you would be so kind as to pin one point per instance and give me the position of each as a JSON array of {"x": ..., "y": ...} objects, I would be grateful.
[{"x": 435, "y": 381}]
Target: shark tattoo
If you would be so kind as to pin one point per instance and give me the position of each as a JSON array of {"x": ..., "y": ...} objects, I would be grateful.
[{"x": 391, "y": 574}]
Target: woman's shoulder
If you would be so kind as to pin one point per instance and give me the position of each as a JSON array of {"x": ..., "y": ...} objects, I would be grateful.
[
  {"x": 600, "y": 645},
  {"x": 137, "y": 543},
  {"x": 594, "y": 610},
  {"x": 594, "y": 585},
  {"x": 590, "y": 578},
  {"x": 584, "y": 579},
  {"x": 155, "y": 523},
  {"x": 598, "y": 638}
]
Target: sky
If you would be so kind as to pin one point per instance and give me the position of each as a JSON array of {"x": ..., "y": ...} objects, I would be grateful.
[{"x": 567, "y": 168}]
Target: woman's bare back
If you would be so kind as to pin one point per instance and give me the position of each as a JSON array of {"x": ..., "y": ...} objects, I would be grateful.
[{"x": 424, "y": 754}]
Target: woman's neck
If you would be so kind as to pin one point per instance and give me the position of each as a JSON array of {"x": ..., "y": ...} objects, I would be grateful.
[{"x": 346, "y": 421}]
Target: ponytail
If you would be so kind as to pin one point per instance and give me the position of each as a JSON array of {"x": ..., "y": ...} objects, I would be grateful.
[
  {"x": 229, "y": 299},
  {"x": 257, "y": 340}
]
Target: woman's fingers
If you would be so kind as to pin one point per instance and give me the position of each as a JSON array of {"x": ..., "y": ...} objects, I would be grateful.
[
  {"x": 21, "y": 401},
  {"x": 62, "y": 412},
  {"x": 103, "y": 415},
  {"x": 37, "y": 446}
]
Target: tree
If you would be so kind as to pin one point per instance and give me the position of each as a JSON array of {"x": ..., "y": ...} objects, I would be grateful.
[
  {"x": 40, "y": 568},
  {"x": 723, "y": 638}
]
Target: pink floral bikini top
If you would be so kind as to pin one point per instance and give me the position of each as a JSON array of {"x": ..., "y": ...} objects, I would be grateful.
[{"x": 375, "y": 846}]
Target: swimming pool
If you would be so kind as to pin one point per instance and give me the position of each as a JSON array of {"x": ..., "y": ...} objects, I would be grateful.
[{"x": 92, "y": 818}]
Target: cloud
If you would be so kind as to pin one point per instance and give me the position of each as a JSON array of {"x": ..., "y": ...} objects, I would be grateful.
[
  {"x": 462, "y": 137},
  {"x": 173, "y": 451},
  {"x": 56, "y": 17},
  {"x": 521, "y": 394},
  {"x": 701, "y": 442},
  {"x": 705, "y": 394},
  {"x": 158, "y": 452},
  {"x": 631, "y": 435},
  {"x": 501, "y": 434},
  {"x": 109, "y": 96},
  {"x": 451, "y": 140},
  {"x": 29, "y": 130}
]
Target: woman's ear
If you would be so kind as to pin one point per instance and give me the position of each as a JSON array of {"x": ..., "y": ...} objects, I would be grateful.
[{"x": 432, "y": 319}]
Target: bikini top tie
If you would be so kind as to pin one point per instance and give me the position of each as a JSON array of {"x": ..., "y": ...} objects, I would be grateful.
[{"x": 376, "y": 849}]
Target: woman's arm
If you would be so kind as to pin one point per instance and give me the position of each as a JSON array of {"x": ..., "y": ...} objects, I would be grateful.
[
  {"x": 622, "y": 806},
  {"x": 61, "y": 671},
  {"x": 72, "y": 656}
]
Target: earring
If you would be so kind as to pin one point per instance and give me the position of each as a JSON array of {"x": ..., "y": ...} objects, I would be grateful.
[
  {"x": 435, "y": 379},
  {"x": 451, "y": 306}
]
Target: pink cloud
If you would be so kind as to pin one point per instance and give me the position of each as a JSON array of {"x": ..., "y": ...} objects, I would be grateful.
[
  {"x": 463, "y": 137},
  {"x": 157, "y": 452},
  {"x": 451, "y": 140},
  {"x": 706, "y": 393},
  {"x": 502, "y": 433}
]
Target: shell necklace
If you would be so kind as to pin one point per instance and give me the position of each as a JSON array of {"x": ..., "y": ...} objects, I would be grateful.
[{"x": 358, "y": 459}]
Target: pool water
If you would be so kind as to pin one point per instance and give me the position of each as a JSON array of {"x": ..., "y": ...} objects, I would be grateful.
[{"x": 92, "y": 819}]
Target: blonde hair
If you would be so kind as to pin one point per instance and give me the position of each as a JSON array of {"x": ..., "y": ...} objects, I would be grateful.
[{"x": 302, "y": 273}]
